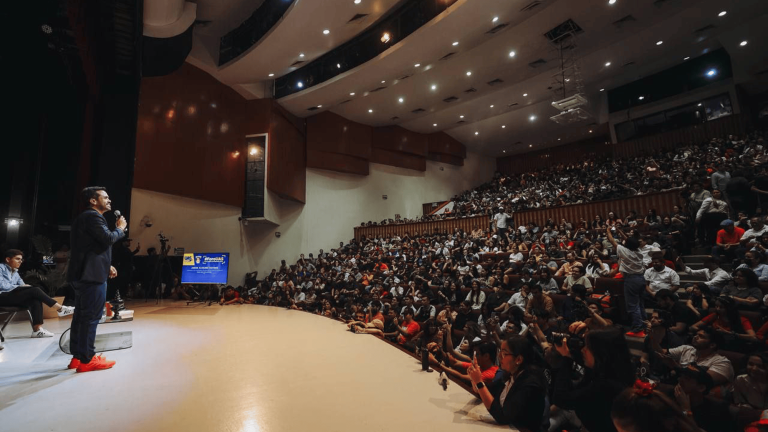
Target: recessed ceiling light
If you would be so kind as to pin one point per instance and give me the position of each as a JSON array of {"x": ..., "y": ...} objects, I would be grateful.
[
  {"x": 455, "y": 43},
  {"x": 503, "y": 126},
  {"x": 401, "y": 100},
  {"x": 590, "y": 131},
  {"x": 503, "y": 151},
  {"x": 699, "y": 104},
  {"x": 525, "y": 94},
  {"x": 686, "y": 58},
  {"x": 434, "y": 124},
  {"x": 338, "y": 65},
  {"x": 300, "y": 84},
  {"x": 641, "y": 97},
  {"x": 385, "y": 37},
  {"x": 511, "y": 53},
  {"x": 358, "y": 1},
  {"x": 417, "y": 65},
  {"x": 461, "y": 116},
  {"x": 370, "y": 110},
  {"x": 607, "y": 64},
  {"x": 301, "y": 54},
  {"x": 469, "y": 73},
  {"x": 611, "y": 2},
  {"x": 495, "y": 19},
  {"x": 743, "y": 43},
  {"x": 434, "y": 87},
  {"x": 558, "y": 139},
  {"x": 383, "y": 81},
  {"x": 532, "y": 118},
  {"x": 491, "y": 106},
  {"x": 722, "y": 14},
  {"x": 530, "y": 145},
  {"x": 326, "y": 31},
  {"x": 352, "y": 94},
  {"x": 659, "y": 42},
  {"x": 319, "y": 106},
  {"x": 477, "y": 133},
  {"x": 271, "y": 75},
  {"x": 711, "y": 72},
  {"x": 602, "y": 89}
]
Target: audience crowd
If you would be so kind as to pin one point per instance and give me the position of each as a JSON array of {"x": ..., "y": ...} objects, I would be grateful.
[{"x": 595, "y": 325}]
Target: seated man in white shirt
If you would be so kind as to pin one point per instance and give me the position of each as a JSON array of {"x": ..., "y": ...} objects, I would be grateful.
[
  {"x": 717, "y": 278},
  {"x": 752, "y": 236},
  {"x": 516, "y": 258},
  {"x": 659, "y": 277}
]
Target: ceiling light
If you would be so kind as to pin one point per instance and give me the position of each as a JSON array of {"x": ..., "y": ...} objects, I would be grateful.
[
  {"x": 491, "y": 106},
  {"x": 686, "y": 58},
  {"x": 722, "y": 14},
  {"x": 477, "y": 133},
  {"x": 358, "y": 1},
  {"x": 503, "y": 151},
  {"x": 300, "y": 84},
  {"x": 383, "y": 81},
  {"x": 417, "y": 65},
  {"x": 401, "y": 100},
  {"x": 271, "y": 75},
  {"x": 495, "y": 19},
  {"x": 352, "y": 94},
  {"x": 370, "y": 110},
  {"x": 602, "y": 89},
  {"x": 610, "y": 2},
  {"x": 461, "y": 116},
  {"x": 301, "y": 54},
  {"x": 525, "y": 94},
  {"x": 338, "y": 65},
  {"x": 385, "y": 37},
  {"x": 641, "y": 97},
  {"x": 590, "y": 131},
  {"x": 532, "y": 118},
  {"x": 434, "y": 124},
  {"x": 253, "y": 151},
  {"x": 699, "y": 104},
  {"x": 607, "y": 64},
  {"x": 659, "y": 42},
  {"x": 711, "y": 72},
  {"x": 530, "y": 145},
  {"x": 326, "y": 31},
  {"x": 455, "y": 43},
  {"x": 743, "y": 43},
  {"x": 503, "y": 126},
  {"x": 567, "y": 80},
  {"x": 558, "y": 139},
  {"x": 469, "y": 73},
  {"x": 511, "y": 53},
  {"x": 434, "y": 87}
]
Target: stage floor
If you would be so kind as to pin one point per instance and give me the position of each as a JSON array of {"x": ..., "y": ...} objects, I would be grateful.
[{"x": 233, "y": 368}]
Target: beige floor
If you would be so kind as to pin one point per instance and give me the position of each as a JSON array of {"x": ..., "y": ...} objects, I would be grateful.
[{"x": 235, "y": 368}]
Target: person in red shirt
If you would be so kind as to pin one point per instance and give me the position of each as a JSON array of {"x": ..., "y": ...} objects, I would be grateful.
[
  {"x": 728, "y": 240},
  {"x": 409, "y": 328},
  {"x": 485, "y": 354},
  {"x": 727, "y": 319}
]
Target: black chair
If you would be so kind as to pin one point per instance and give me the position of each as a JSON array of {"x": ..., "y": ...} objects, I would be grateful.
[{"x": 11, "y": 311}]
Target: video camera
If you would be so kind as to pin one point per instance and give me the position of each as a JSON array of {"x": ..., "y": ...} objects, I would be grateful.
[{"x": 574, "y": 342}]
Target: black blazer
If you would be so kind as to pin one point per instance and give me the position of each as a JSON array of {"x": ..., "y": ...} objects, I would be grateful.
[
  {"x": 524, "y": 405},
  {"x": 91, "y": 248}
]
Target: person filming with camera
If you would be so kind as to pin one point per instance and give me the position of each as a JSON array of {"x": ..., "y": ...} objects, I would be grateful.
[{"x": 519, "y": 399}]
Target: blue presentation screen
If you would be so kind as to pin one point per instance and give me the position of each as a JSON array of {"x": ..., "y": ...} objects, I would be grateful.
[{"x": 205, "y": 268}]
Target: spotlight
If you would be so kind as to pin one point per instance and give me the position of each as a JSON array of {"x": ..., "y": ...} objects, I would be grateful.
[
  {"x": 491, "y": 106},
  {"x": 503, "y": 126},
  {"x": 385, "y": 38},
  {"x": 687, "y": 58},
  {"x": 271, "y": 75},
  {"x": 722, "y": 14},
  {"x": 469, "y": 73},
  {"x": 602, "y": 89},
  {"x": 699, "y": 104},
  {"x": 461, "y": 116},
  {"x": 743, "y": 43},
  {"x": 607, "y": 64},
  {"x": 352, "y": 94},
  {"x": 434, "y": 124},
  {"x": 417, "y": 65},
  {"x": 610, "y": 2},
  {"x": 659, "y": 42},
  {"x": 301, "y": 55},
  {"x": 370, "y": 110},
  {"x": 326, "y": 31},
  {"x": 253, "y": 151},
  {"x": 641, "y": 97},
  {"x": 13, "y": 222},
  {"x": 455, "y": 43},
  {"x": 434, "y": 87},
  {"x": 338, "y": 65},
  {"x": 358, "y": 1},
  {"x": 477, "y": 133},
  {"x": 401, "y": 100},
  {"x": 300, "y": 84},
  {"x": 525, "y": 94},
  {"x": 511, "y": 53},
  {"x": 532, "y": 118},
  {"x": 47, "y": 29},
  {"x": 711, "y": 72},
  {"x": 319, "y": 106}
]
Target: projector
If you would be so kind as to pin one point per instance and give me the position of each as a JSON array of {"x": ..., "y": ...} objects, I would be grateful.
[
  {"x": 576, "y": 115},
  {"x": 571, "y": 102}
]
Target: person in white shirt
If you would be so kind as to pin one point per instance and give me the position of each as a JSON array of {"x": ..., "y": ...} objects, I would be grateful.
[
  {"x": 520, "y": 298},
  {"x": 516, "y": 258},
  {"x": 752, "y": 235},
  {"x": 500, "y": 220},
  {"x": 717, "y": 278},
  {"x": 659, "y": 277}
]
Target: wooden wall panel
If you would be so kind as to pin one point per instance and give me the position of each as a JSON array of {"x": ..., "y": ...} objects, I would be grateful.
[
  {"x": 398, "y": 139},
  {"x": 397, "y": 159},
  {"x": 662, "y": 202},
  {"x": 336, "y": 162},
  {"x": 189, "y": 124},
  {"x": 447, "y": 159},
  {"x": 466, "y": 224},
  {"x": 332, "y": 133},
  {"x": 440, "y": 143},
  {"x": 286, "y": 158}
]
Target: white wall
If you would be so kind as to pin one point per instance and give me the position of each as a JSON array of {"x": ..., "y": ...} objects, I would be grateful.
[{"x": 336, "y": 203}]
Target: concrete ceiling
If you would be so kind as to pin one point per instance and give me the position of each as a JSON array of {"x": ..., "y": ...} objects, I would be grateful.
[{"x": 490, "y": 125}]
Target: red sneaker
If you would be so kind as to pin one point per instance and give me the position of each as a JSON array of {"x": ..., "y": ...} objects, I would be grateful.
[
  {"x": 637, "y": 334},
  {"x": 74, "y": 363},
  {"x": 96, "y": 363}
]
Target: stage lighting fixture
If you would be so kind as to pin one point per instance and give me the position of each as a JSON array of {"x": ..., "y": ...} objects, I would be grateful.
[
  {"x": 525, "y": 94},
  {"x": 13, "y": 222},
  {"x": 385, "y": 38}
]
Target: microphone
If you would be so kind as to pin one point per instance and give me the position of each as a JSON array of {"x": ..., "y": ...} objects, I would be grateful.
[{"x": 117, "y": 214}]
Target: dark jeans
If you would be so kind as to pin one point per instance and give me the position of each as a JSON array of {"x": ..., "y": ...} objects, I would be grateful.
[
  {"x": 29, "y": 297},
  {"x": 710, "y": 225},
  {"x": 634, "y": 287},
  {"x": 89, "y": 307}
]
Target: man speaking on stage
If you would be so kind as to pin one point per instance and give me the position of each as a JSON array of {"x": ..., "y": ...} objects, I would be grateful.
[{"x": 89, "y": 267}]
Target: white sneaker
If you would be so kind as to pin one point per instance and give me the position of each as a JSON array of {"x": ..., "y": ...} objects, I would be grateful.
[
  {"x": 42, "y": 333},
  {"x": 66, "y": 310}
]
